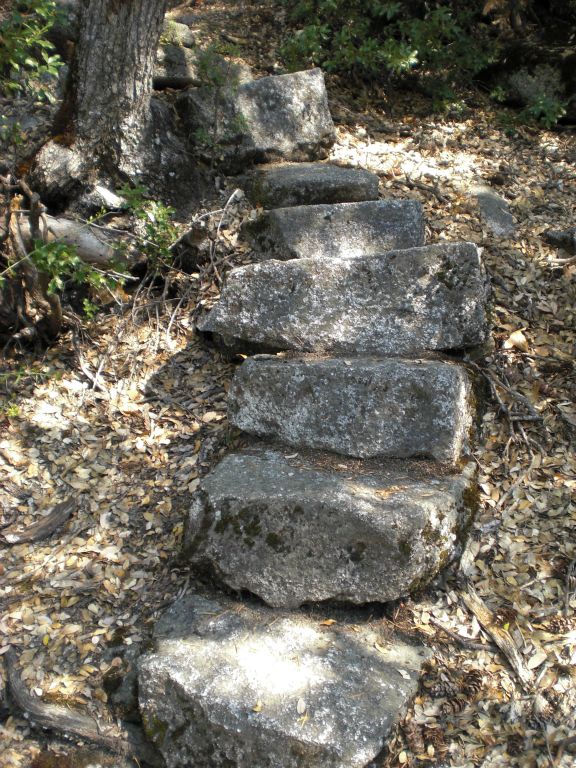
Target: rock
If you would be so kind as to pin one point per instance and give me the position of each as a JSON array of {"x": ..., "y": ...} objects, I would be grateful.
[
  {"x": 360, "y": 407},
  {"x": 179, "y": 67},
  {"x": 292, "y": 533},
  {"x": 234, "y": 685},
  {"x": 280, "y": 186},
  {"x": 342, "y": 231},
  {"x": 495, "y": 212},
  {"x": 278, "y": 117},
  {"x": 402, "y": 302},
  {"x": 176, "y": 33},
  {"x": 562, "y": 238}
]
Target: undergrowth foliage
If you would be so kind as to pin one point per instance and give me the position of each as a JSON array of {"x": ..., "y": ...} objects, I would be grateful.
[
  {"x": 27, "y": 58},
  {"x": 440, "y": 45},
  {"x": 444, "y": 42}
]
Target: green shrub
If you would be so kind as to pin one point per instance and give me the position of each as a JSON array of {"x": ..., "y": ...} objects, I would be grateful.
[
  {"x": 157, "y": 229},
  {"x": 369, "y": 39},
  {"x": 27, "y": 57}
]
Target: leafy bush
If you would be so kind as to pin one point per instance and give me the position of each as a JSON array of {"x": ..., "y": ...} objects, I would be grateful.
[
  {"x": 27, "y": 57},
  {"x": 156, "y": 229},
  {"x": 369, "y": 39}
]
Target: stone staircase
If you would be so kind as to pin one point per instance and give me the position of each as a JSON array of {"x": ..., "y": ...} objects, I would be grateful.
[{"x": 354, "y": 486}]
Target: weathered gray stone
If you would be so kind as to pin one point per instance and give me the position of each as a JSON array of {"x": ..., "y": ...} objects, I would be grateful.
[
  {"x": 230, "y": 685},
  {"x": 177, "y": 67},
  {"x": 174, "y": 32},
  {"x": 357, "y": 407},
  {"x": 279, "y": 117},
  {"x": 495, "y": 212},
  {"x": 342, "y": 231},
  {"x": 402, "y": 302},
  {"x": 292, "y": 533},
  {"x": 281, "y": 186}
]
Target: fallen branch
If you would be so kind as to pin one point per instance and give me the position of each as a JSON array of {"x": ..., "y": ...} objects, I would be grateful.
[
  {"x": 570, "y": 585},
  {"x": 91, "y": 247},
  {"x": 43, "y": 528},
  {"x": 432, "y": 190},
  {"x": 501, "y": 637},
  {"x": 465, "y": 642},
  {"x": 123, "y": 738}
]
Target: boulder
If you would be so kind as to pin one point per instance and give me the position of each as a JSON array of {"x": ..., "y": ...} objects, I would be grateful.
[
  {"x": 176, "y": 33},
  {"x": 361, "y": 407},
  {"x": 291, "y": 532},
  {"x": 178, "y": 67},
  {"x": 341, "y": 231},
  {"x": 495, "y": 211},
  {"x": 230, "y": 684},
  {"x": 398, "y": 303},
  {"x": 278, "y": 117},
  {"x": 280, "y": 186}
]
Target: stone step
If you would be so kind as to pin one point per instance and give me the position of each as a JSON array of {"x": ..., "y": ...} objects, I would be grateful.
[
  {"x": 341, "y": 231},
  {"x": 230, "y": 684},
  {"x": 280, "y": 186},
  {"x": 399, "y": 303},
  {"x": 178, "y": 66},
  {"x": 282, "y": 117},
  {"x": 361, "y": 407},
  {"x": 297, "y": 529}
]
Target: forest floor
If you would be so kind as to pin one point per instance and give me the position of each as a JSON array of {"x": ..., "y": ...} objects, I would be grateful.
[{"x": 123, "y": 420}]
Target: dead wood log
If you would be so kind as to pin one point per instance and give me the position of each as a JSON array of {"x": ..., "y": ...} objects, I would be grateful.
[
  {"x": 43, "y": 528},
  {"x": 91, "y": 244},
  {"x": 501, "y": 637},
  {"x": 122, "y": 738}
]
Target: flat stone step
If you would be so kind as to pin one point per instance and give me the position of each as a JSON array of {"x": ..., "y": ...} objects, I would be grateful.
[
  {"x": 282, "y": 117},
  {"x": 399, "y": 303},
  {"x": 178, "y": 67},
  {"x": 359, "y": 407},
  {"x": 280, "y": 186},
  {"x": 230, "y": 684},
  {"x": 341, "y": 231},
  {"x": 291, "y": 532}
]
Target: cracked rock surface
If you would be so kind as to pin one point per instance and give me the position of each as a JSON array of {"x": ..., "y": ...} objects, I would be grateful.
[
  {"x": 361, "y": 407},
  {"x": 291, "y": 532},
  {"x": 231, "y": 684}
]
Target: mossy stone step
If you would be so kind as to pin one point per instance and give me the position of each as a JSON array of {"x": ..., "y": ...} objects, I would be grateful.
[{"x": 294, "y": 530}]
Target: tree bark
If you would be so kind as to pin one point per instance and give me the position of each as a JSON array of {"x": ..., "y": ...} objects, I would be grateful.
[
  {"x": 106, "y": 130},
  {"x": 111, "y": 77}
]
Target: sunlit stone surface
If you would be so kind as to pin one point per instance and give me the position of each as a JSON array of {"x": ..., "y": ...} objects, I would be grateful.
[
  {"x": 295, "y": 531},
  {"x": 341, "y": 231},
  {"x": 398, "y": 303},
  {"x": 363, "y": 407},
  {"x": 230, "y": 685}
]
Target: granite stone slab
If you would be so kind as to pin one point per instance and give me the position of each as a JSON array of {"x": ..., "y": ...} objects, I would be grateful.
[
  {"x": 279, "y": 186},
  {"x": 398, "y": 303},
  {"x": 231, "y": 685},
  {"x": 281, "y": 117},
  {"x": 361, "y": 407},
  {"x": 340, "y": 231},
  {"x": 291, "y": 532}
]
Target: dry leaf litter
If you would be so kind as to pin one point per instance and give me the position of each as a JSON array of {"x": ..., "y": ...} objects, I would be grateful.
[{"x": 130, "y": 452}]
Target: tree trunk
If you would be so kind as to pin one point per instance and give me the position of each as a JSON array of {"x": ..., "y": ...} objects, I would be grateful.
[
  {"x": 111, "y": 77},
  {"x": 106, "y": 130}
]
